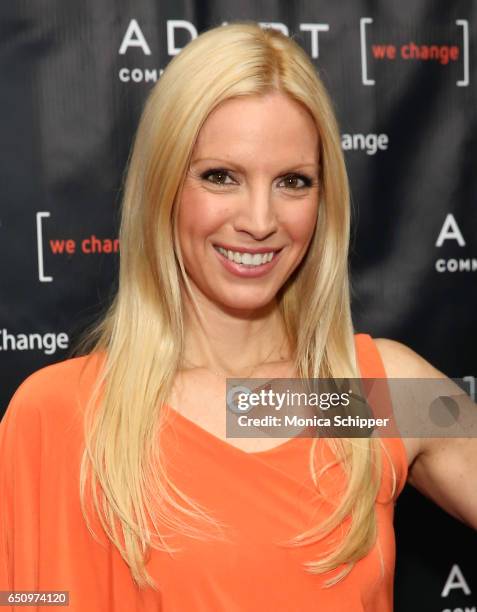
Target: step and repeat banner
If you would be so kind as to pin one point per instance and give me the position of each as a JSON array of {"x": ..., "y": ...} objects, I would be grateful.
[{"x": 73, "y": 80}]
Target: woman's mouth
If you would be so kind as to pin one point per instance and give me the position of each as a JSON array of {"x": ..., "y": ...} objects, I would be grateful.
[
  {"x": 246, "y": 264},
  {"x": 247, "y": 259}
]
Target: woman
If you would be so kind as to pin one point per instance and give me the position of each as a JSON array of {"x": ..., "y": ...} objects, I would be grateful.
[{"x": 120, "y": 485}]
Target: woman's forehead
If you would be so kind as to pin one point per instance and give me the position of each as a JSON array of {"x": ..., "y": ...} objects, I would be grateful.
[{"x": 270, "y": 126}]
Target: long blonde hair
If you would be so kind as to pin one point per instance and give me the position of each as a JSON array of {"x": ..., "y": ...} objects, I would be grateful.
[{"x": 142, "y": 333}]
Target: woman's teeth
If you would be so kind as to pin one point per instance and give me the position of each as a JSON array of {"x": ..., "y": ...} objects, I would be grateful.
[{"x": 247, "y": 259}]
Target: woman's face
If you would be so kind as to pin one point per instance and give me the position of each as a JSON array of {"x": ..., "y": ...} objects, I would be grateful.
[{"x": 252, "y": 186}]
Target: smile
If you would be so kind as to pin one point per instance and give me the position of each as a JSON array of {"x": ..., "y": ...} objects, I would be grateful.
[
  {"x": 248, "y": 265},
  {"x": 246, "y": 259}
]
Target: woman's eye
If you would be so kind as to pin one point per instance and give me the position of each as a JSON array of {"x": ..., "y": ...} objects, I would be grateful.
[
  {"x": 297, "y": 181},
  {"x": 217, "y": 177},
  {"x": 221, "y": 177}
]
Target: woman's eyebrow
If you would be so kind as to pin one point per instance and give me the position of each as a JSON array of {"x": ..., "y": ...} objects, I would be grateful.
[{"x": 226, "y": 162}]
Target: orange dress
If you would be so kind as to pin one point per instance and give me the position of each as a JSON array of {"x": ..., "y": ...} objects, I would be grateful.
[{"x": 264, "y": 496}]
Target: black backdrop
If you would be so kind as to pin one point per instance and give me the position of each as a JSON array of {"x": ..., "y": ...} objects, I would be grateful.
[{"x": 73, "y": 79}]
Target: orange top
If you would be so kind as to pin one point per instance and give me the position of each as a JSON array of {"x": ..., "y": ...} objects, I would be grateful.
[{"x": 264, "y": 496}]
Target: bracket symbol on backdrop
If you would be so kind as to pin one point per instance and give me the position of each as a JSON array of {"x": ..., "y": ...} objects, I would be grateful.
[{"x": 464, "y": 23}]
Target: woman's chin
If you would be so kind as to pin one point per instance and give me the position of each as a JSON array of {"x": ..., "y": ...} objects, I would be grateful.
[{"x": 246, "y": 303}]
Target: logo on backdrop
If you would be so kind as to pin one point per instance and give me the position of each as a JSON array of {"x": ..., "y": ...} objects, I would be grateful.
[
  {"x": 451, "y": 234},
  {"x": 48, "y": 343},
  {"x": 88, "y": 245},
  {"x": 411, "y": 51},
  {"x": 135, "y": 39},
  {"x": 456, "y": 584},
  {"x": 370, "y": 143}
]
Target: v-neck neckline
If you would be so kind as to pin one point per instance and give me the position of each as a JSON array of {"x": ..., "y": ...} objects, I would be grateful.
[{"x": 189, "y": 423}]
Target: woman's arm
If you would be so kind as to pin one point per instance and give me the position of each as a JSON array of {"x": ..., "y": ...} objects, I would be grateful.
[{"x": 443, "y": 468}]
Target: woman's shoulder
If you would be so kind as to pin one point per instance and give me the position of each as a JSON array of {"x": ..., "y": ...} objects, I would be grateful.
[
  {"x": 48, "y": 390},
  {"x": 401, "y": 361},
  {"x": 397, "y": 359},
  {"x": 58, "y": 376}
]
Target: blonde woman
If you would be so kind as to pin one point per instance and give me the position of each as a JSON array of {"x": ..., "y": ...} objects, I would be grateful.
[{"x": 118, "y": 483}]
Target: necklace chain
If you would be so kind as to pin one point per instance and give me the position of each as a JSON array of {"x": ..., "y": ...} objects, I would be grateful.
[{"x": 221, "y": 375}]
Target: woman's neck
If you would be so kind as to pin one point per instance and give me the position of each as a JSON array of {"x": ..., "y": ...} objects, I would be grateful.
[{"x": 234, "y": 342}]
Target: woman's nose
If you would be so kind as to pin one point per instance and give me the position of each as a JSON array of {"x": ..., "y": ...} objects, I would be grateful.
[{"x": 256, "y": 214}]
